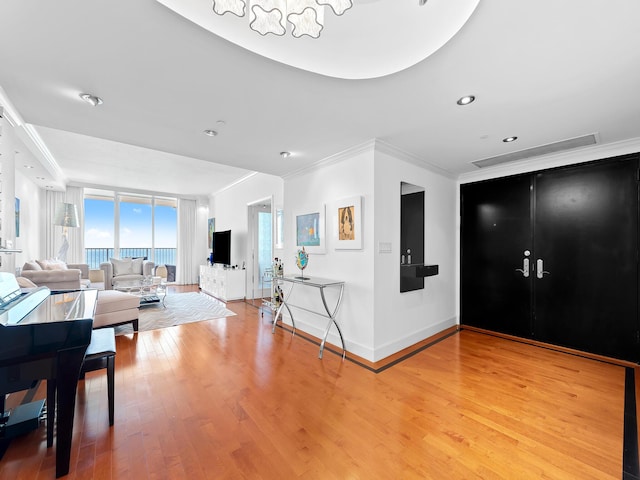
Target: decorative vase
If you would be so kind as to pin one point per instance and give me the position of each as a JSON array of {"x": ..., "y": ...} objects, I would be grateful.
[{"x": 302, "y": 260}]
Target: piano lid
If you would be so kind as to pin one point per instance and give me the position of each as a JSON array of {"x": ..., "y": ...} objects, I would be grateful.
[{"x": 22, "y": 308}]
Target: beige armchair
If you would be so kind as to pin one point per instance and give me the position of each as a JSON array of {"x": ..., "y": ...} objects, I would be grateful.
[
  {"x": 126, "y": 269},
  {"x": 57, "y": 275}
]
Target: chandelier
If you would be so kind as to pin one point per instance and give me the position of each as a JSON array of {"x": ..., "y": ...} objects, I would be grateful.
[{"x": 271, "y": 16}]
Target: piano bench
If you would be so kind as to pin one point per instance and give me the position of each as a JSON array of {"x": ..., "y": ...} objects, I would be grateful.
[{"x": 101, "y": 353}]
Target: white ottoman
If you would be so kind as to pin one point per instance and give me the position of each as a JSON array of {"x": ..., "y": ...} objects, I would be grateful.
[{"x": 116, "y": 308}]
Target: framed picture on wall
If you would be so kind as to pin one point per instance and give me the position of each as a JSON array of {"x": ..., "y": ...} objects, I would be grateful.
[
  {"x": 211, "y": 227},
  {"x": 346, "y": 223},
  {"x": 309, "y": 227}
]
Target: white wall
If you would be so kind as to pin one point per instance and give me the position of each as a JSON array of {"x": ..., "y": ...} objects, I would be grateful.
[
  {"x": 14, "y": 184},
  {"x": 229, "y": 208},
  {"x": 201, "y": 248},
  {"x": 7, "y": 177},
  {"x": 349, "y": 175},
  {"x": 403, "y": 319},
  {"x": 31, "y": 199}
]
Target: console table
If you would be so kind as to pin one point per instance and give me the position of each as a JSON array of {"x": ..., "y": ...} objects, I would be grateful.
[
  {"x": 320, "y": 284},
  {"x": 223, "y": 283}
]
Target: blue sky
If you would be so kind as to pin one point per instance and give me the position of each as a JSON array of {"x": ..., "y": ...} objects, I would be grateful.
[{"x": 135, "y": 225}]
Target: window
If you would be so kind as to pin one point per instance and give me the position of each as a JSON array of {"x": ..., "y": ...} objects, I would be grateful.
[
  {"x": 99, "y": 238},
  {"x": 165, "y": 216},
  {"x": 129, "y": 225},
  {"x": 136, "y": 221}
]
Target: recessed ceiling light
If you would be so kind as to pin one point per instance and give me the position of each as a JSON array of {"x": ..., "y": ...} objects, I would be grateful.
[
  {"x": 91, "y": 99},
  {"x": 466, "y": 100},
  {"x": 509, "y": 139},
  {"x": 221, "y": 123},
  {"x": 285, "y": 154},
  {"x": 40, "y": 178},
  {"x": 210, "y": 133},
  {"x": 29, "y": 166}
]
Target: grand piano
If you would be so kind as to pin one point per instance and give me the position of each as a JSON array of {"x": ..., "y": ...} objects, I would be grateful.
[{"x": 43, "y": 336}]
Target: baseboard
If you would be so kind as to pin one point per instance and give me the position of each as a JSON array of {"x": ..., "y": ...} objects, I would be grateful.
[
  {"x": 395, "y": 346},
  {"x": 379, "y": 366},
  {"x": 550, "y": 346}
]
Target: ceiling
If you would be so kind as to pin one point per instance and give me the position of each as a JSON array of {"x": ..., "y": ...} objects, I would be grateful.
[{"x": 543, "y": 71}]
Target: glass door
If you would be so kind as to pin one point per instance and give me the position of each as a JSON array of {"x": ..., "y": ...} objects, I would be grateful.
[{"x": 261, "y": 251}]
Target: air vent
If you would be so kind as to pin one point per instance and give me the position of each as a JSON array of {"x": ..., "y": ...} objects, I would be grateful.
[{"x": 538, "y": 151}]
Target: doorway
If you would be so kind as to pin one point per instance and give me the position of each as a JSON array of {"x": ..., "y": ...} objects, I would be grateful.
[
  {"x": 553, "y": 256},
  {"x": 260, "y": 255}
]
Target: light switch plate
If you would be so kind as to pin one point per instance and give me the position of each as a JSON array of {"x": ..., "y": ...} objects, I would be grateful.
[{"x": 384, "y": 247}]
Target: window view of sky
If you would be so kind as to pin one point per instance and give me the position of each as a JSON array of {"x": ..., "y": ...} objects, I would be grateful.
[{"x": 135, "y": 225}]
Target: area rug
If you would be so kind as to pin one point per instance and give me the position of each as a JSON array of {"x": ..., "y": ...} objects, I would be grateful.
[{"x": 180, "y": 308}]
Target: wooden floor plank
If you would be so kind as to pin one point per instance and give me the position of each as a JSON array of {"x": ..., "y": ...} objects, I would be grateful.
[{"x": 225, "y": 398}]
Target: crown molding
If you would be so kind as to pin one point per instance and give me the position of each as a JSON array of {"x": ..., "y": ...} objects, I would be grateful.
[
  {"x": 333, "y": 159},
  {"x": 30, "y": 138},
  {"x": 387, "y": 148},
  {"x": 237, "y": 182},
  {"x": 373, "y": 145}
]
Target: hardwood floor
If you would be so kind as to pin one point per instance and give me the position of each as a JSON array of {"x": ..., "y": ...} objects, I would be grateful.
[{"x": 226, "y": 399}]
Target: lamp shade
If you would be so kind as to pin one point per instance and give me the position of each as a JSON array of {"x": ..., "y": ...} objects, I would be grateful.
[{"x": 66, "y": 215}]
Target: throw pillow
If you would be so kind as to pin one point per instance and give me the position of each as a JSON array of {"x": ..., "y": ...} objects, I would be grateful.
[
  {"x": 52, "y": 264},
  {"x": 136, "y": 265},
  {"x": 25, "y": 283},
  {"x": 43, "y": 264},
  {"x": 56, "y": 265},
  {"x": 32, "y": 265},
  {"x": 121, "y": 266}
]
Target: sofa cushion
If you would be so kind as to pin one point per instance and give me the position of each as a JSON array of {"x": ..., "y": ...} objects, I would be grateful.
[
  {"x": 25, "y": 283},
  {"x": 136, "y": 265},
  {"x": 124, "y": 279},
  {"x": 121, "y": 266},
  {"x": 32, "y": 265},
  {"x": 52, "y": 264},
  {"x": 113, "y": 301},
  {"x": 55, "y": 279}
]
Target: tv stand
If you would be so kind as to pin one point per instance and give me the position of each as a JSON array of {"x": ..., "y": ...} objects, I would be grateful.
[{"x": 223, "y": 283}]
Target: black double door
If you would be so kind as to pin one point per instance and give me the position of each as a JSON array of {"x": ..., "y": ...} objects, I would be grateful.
[{"x": 553, "y": 256}]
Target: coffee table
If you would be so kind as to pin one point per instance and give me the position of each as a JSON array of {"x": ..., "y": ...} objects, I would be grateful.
[{"x": 151, "y": 290}]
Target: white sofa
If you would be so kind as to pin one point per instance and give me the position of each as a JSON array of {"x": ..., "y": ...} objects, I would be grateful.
[
  {"x": 125, "y": 269},
  {"x": 56, "y": 274}
]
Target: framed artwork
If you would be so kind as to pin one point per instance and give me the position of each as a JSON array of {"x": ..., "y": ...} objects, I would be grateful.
[
  {"x": 211, "y": 227},
  {"x": 346, "y": 220},
  {"x": 309, "y": 226}
]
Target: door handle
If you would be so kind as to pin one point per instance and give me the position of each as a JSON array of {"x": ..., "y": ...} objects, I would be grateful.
[
  {"x": 540, "y": 271},
  {"x": 525, "y": 268}
]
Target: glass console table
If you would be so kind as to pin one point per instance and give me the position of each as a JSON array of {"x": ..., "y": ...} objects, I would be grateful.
[{"x": 320, "y": 284}]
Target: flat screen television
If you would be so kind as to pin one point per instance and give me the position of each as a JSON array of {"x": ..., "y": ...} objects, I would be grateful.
[{"x": 221, "y": 247}]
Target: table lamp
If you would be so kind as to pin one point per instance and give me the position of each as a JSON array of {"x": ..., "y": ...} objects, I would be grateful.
[{"x": 66, "y": 216}]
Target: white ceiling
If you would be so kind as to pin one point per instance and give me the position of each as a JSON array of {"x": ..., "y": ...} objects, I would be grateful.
[
  {"x": 543, "y": 71},
  {"x": 352, "y": 45}
]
